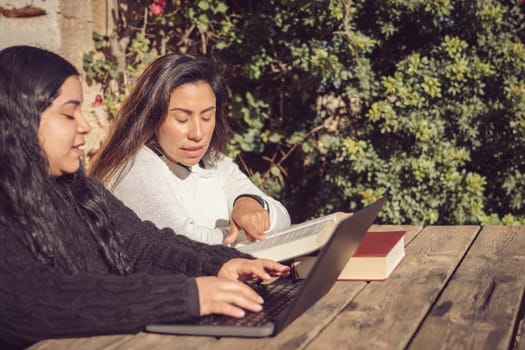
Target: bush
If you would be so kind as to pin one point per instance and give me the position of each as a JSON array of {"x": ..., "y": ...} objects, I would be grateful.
[{"x": 336, "y": 103}]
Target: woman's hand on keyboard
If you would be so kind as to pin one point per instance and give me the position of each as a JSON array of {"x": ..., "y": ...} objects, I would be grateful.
[
  {"x": 246, "y": 269},
  {"x": 218, "y": 295},
  {"x": 226, "y": 295}
]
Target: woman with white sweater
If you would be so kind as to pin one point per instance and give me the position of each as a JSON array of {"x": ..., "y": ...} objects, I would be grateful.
[{"x": 165, "y": 157}]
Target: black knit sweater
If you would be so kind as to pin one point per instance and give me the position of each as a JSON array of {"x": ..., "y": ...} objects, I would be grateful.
[{"x": 37, "y": 302}]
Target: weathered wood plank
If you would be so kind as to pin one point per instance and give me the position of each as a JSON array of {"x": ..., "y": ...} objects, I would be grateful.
[
  {"x": 385, "y": 315},
  {"x": 84, "y": 343},
  {"x": 480, "y": 305},
  {"x": 150, "y": 341},
  {"x": 138, "y": 341}
]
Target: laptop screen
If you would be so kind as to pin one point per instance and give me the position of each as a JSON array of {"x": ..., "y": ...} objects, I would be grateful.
[{"x": 331, "y": 260}]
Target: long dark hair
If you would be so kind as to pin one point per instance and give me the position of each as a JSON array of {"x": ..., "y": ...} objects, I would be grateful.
[
  {"x": 30, "y": 79},
  {"x": 146, "y": 108}
]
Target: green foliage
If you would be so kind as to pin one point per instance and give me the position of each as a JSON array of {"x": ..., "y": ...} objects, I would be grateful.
[{"x": 336, "y": 103}]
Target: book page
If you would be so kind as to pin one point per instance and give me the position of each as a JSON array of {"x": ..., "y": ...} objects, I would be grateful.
[{"x": 299, "y": 239}]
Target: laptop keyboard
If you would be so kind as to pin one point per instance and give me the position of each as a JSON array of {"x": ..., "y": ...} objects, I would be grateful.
[{"x": 277, "y": 296}]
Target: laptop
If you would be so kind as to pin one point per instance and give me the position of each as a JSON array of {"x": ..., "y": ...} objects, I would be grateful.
[{"x": 285, "y": 299}]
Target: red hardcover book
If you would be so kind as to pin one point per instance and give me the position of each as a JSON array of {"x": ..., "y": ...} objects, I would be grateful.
[{"x": 378, "y": 254}]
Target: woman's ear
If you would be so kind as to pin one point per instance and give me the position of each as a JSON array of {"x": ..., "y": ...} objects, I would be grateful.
[{"x": 40, "y": 137}]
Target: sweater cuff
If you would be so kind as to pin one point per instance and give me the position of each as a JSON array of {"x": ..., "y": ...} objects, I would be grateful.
[
  {"x": 218, "y": 256},
  {"x": 192, "y": 298},
  {"x": 259, "y": 200}
]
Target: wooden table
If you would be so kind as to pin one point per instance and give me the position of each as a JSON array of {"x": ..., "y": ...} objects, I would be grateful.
[{"x": 458, "y": 287}]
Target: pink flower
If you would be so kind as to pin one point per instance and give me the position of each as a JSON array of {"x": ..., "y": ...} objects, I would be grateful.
[
  {"x": 98, "y": 101},
  {"x": 156, "y": 10},
  {"x": 157, "y": 7}
]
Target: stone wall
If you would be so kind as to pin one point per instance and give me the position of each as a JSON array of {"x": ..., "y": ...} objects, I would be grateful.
[{"x": 65, "y": 28}]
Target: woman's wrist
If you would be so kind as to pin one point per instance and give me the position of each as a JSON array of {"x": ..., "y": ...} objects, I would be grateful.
[{"x": 259, "y": 200}]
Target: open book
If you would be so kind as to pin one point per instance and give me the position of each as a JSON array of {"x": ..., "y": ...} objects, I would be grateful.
[{"x": 297, "y": 240}]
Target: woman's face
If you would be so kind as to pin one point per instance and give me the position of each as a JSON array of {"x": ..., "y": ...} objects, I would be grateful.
[
  {"x": 187, "y": 130},
  {"x": 63, "y": 128}
]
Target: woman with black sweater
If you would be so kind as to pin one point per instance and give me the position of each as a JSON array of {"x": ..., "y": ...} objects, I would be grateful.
[{"x": 74, "y": 261}]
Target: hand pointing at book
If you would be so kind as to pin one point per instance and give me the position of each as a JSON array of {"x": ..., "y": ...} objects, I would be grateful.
[{"x": 248, "y": 215}]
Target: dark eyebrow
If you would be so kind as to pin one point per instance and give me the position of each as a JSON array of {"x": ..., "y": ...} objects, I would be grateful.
[
  {"x": 187, "y": 111},
  {"x": 74, "y": 102}
]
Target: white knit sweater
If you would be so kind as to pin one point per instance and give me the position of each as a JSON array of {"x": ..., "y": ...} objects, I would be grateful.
[{"x": 195, "y": 202}]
